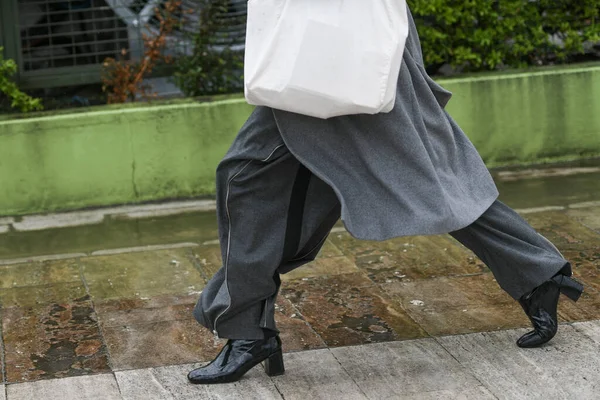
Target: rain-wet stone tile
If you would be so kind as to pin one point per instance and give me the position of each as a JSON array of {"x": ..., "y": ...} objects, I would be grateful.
[
  {"x": 33, "y": 296},
  {"x": 330, "y": 261},
  {"x": 587, "y": 308},
  {"x": 586, "y": 265},
  {"x": 405, "y": 369},
  {"x": 322, "y": 267},
  {"x": 409, "y": 258},
  {"x": 589, "y": 217},
  {"x": 52, "y": 341},
  {"x": 296, "y": 334},
  {"x": 447, "y": 306},
  {"x": 564, "y": 232},
  {"x": 349, "y": 309},
  {"x": 316, "y": 374},
  {"x": 39, "y": 273},
  {"x": 329, "y": 250},
  {"x": 207, "y": 259},
  {"x": 159, "y": 343},
  {"x": 567, "y": 368},
  {"x": 254, "y": 385},
  {"x": 124, "y": 312},
  {"x": 141, "y": 275},
  {"x": 77, "y": 388},
  {"x": 586, "y": 269}
]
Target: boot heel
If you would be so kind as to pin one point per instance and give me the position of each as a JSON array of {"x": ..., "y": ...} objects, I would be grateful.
[
  {"x": 274, "y": 364},
  {"x": 570, "y": 287}
]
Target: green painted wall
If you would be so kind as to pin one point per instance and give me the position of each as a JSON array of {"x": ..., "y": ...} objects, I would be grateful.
[
  {"x": 118, "y": 156},
  {"x": 141, "y": 153},
  {"x": 530, "y": 117}
]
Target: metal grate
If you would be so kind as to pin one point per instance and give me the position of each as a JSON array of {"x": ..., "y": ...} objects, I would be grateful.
[
  {"x": 71, "y": 36},
  {"x": 69, "y": 33}
]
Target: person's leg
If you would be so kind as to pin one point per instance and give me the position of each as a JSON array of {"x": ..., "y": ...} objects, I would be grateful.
[
  {"x": 274, "y": 215},
  {"x": 525, "y": 264},
  {"x": 520, "y": 258}
]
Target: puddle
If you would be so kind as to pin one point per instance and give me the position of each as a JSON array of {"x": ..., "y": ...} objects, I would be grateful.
[
  {"x": 554, "y": 190},
  {"x": 110, "y": 234},
  {"x": 558, "y": 186}
]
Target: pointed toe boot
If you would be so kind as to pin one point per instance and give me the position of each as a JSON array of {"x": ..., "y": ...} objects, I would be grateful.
[
  {"x": 239, "y": 356},
  {"x": 541, "y": 307}
]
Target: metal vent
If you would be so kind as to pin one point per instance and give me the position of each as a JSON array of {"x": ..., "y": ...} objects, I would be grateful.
[
  {"x": 60, "y": 33},
  {"x": 58, "y": 37}
]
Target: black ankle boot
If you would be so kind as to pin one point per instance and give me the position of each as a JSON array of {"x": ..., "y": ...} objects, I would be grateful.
[
  {"x": 540, "y": 306},
  {"x": 237, "y": 357}
]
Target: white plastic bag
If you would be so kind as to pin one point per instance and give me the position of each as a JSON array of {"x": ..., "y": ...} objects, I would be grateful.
[{"x": 325, "y": 58}]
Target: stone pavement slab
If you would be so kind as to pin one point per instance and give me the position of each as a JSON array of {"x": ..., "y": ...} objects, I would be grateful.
[
  {"x": 52, "y": 341},
  {"x": 457, "y": 305},
  {"x": 92, "y": 387},
  {"x": 36, "y": 283},
  {"x": 475, "y": 393},
  {"x": 322, "y": 267},
  {"x": 160, "y": 331},
  {"x": 586, "y": 265},
  {"x": 587, "y": 308},
  {"x": 408, "y": 258},
  {"x": 589, "y": 217},
  {"x": 39, "y": 273},
  {"x": 2, "y": 392},
  {"x": 255, "y": 385},
  {"x": 159, "y": 343},
  {"x": 141, "y": 275},
  {"x": 567, "y": 368},
  {"x": 295, "y": 331},
  {"x": 350, "y": 309},
  {"x": 564, "y": 232},
  {"x": 316, "y": 374},
  {"x": 141, "y": 384},
  {"x": 34, "y": 296},
  {"x": 401, "y": 370},
  {"x": 127, "y": 312},
  {"x": 591, "y": 329},
  {"x": 474, "y": 366}
]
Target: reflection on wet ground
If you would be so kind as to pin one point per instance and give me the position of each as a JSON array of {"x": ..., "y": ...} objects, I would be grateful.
[{"x": 94, "y": 312}]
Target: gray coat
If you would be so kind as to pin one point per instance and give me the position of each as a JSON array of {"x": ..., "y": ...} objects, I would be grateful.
[{"x": 412, "y": 171}]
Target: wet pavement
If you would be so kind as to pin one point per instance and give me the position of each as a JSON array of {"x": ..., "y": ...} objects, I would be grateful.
[{"x": 113, "y": 291}]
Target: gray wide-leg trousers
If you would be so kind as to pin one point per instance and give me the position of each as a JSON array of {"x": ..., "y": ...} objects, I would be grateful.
[{"x": 274, "y": 215}]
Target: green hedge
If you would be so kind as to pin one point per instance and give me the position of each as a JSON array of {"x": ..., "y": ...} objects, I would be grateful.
[
  {"x": 486, "y": 34},
  {"x": 473, "y": 35}
]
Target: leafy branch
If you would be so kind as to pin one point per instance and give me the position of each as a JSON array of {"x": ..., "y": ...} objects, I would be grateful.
[
  {"x": 123, "y": 80},
  {"x": 18, "y": 99}
]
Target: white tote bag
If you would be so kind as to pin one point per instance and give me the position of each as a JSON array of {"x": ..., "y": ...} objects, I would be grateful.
[{"x": 325, "y": 58}]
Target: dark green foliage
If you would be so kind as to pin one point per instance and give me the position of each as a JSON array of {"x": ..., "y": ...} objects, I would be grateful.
[
  {"x": 486, "y": 34},
  {"x": 216, "y": 61}
]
